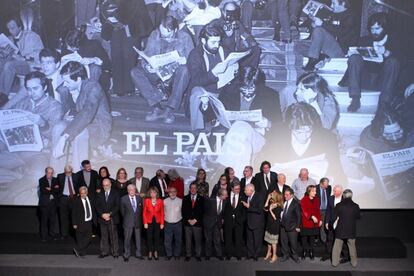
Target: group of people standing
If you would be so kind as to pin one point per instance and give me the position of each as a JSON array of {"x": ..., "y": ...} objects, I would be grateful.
[{"x": 251, "y": 210}]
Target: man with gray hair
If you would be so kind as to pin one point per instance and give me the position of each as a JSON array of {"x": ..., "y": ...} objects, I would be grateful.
[
  {"x": 345, "y": 216},
  {"x": 173, "y": 225},
  {"x": 299, "y": 184}
]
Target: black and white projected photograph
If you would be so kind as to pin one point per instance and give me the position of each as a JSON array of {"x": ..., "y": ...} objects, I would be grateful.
[{"x": 252, "y": 136}]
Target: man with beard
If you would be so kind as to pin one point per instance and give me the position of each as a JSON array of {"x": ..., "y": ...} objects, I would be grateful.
[
  {"x": 205, "y": 66},
  {"x": 358, "y": 73}
]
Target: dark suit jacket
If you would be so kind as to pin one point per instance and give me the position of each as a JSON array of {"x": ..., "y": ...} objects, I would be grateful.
[
  {"x": 111, "y": 206},
  {"x": 329, "y": 214},
  {"x": 92, "y": 184},
  {"x": 211, "y": 218},
  {"x": 131, "y": 219},
  {"x": 255, "y": 213},
  {"x": 243, "y": 183},
  {"x": 260, "y": 185},
  {"x": 292, "y": 219},
  {"x": 61, "y": 180},
  {"x": 44, "y": 195},
  {"x": 188, "y": 212},
  {"x": 145, "y": 184},
  {"x": 283, "y": 189},
  {"x": 348, "y": 213},
  {"x": 216, "y": 188},
  {"x": 78, "y": 213},
  {"x": 154, "y": 183},
  {"x": 235, "y": 215},
  {"x": 328, "y": 192}
]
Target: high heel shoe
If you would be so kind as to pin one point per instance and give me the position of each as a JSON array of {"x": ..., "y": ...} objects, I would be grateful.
[
  {"x": 268, "y": 255},
  {"x": 274, "y": 259}
]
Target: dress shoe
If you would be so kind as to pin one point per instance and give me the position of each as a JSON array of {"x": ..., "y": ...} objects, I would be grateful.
[
  {"x": 228, "y": 258},
  {"x": 284, "y": 259},
  {"x": 187, "y": 259},
  {"x": 343, "y": 260},
  {"x": 116, "y": 257},
  {"x": 102, "y": 256},
  {"x": 139, "y": 257},
  {"x": 325, "y": 258},
  {"x": 220, "y": 258},
  {"x": 255, "y": 259},
  {"x": 177, "y": 258},
  {"x": 296, "y": 259},
  {"x": 126, "y": 259},
  {"x": 76, "y": 252},
  {"x": 239, "y": 258},
  {"x": 304, "y": 254},
  {"x": 198, "y": 259},
  {"x": 311, "y": 255},
  {"x": 355, "y": 105},
  {"x": 167, "y": 258}
]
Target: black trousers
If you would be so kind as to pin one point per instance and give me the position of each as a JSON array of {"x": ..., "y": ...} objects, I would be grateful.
[
  {"x": 213, "y": 238},
  {"x": 65, "y": 206},
  {"x": 48, "y": 220},
  {"x": 109, "y": 239},
  {"x": 308, "y": 242},
  {"x": 153, "y": 236},
  {"x": 233, "y": 239},
  {"x": 254, "y": 242},
  {"x": 289, "y": 242},
  {"x": 83, "y": 236}
]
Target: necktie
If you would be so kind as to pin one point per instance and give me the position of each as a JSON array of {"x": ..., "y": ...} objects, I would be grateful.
[
  {"x": 267, "y": 181},
  {"x": 192, "y": 201},
  {"x": 323, "y": 200},
  {"x": 71, "y": 193},
  {"x": 286, "y": 209},
  {"x": 234, "y": 201},
  {"x": 134, "y": 205},
  {"x": 249, "y": 199},
  {"x": 88, "y": 211},
  {"x": 106, "y": 196},
  {"x": 219, "y": 207}
]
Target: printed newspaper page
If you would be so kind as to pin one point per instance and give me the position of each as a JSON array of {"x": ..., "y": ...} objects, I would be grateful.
[
  {"x": 7, "y": 48},
  {"x": 19, "y": 132},
  {"x": 245, "y": 115}
]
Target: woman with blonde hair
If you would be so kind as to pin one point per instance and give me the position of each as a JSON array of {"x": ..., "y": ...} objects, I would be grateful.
[
  {"x": 274, "y": 208},
  {"x": 153, "y": 219},
  {"x": 122, "y": 182}
]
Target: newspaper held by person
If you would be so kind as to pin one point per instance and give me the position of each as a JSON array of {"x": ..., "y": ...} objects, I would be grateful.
[
  {"x": 7, "y": 48},
  {"x": 367, "y": 53},
  {"x": 317, "y": 9},
  {"x": 163, "y": 64},
  {"x": 231, "y": 65},
  {"x": 18, "y": 131}
]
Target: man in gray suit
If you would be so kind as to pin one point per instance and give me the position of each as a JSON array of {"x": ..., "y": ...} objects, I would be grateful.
[
  {"x": 140, "y": 182},
  {"x": 131, "y": 210}
]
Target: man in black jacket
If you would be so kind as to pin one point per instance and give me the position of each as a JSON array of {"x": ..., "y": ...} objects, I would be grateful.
[
  {"x": 332, "y": 38},
  {"x": 248, "y": 177},
  {"x": 358, "y": 75},
  {"x": 281, "y": 185},
  {"x": 107, "y": 207},
  {"x": 83, "y": 217},
  {"x": 68, "y": 189},
  {"x": 290, "y": 226},
  {"x": 234, "y": 219},
  {"x": 323, "y": 192},
  {"x": 266, "y": 180},
  {"x": 160, "y": 181},
  {"x": 88, "y": 177},
  {"x": 346, "y": 214},
  {"x": 213, "y": 222},
  {"x": 255, "y": 221},
  {"x": 48, "y": 197},
  {"x": 192, "y": 212}
]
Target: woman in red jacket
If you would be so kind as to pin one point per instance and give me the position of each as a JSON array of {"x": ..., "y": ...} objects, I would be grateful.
[
  {"x": 311, "y": 220},
  {"x": 153, "y": 218},
  {"x": 177, "y": 182}
]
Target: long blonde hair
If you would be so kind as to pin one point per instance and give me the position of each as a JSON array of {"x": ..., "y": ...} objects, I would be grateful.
[{"x": 276, "y": 198}]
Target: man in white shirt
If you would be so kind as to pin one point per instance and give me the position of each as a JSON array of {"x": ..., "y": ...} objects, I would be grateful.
[
  {"x": 300, "y": 184},
  {"x": 281, "y": 183},
  {"x": 248, "y": 177},
  {"x": 142, "y": 183},
  {"x": 173, "y": 225},
  {"x": 83, "y": 216},
  {"x": 266, "y": 179}
]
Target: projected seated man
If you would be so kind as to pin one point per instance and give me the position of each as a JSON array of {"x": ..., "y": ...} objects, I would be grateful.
[
  {"x": 236, "y": 37},
  {"x": 245, "y": 138},
  {"x": 46, "y": 113},
  {"x": 333, "y": 37},
  {"x": 303, "y": 137},
  {"x": 358, "y": 75},
  {"x": 92, "y": 123},
  {"x": 206, "y": 70},
  {"x": 165, "y": 39},
  {"x": 28, "y": 44}
]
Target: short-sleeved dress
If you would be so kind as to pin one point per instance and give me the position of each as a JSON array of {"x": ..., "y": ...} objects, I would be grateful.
[{"x": 273, "y": 226}]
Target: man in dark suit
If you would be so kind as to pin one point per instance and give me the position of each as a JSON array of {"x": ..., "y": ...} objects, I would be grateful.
[
  {"x": 68, "y": 189},
  {"x": 88, "y": 177},
  {"x": 266, "y": 180},
  {"x": 213, "y": 222},
  {"x": 83, "y": 217},
  {"x": 160, "y": 181},
  {"x": 192, "y": 212},
  {"x": 141, "y": 183},
  {"x": 290, "y": 226},
  {"x": 346, "y": 214},
  {"x": 48, "y": 197},
  {"x": 131, "y": 210},
  {"x": 247, "y": 177},
  {"x": 281, "y": 183},
  {"x": 255, "y": 221},
  {"x": 323, "y": 192},
  {"x": 234, "y": 219},
  {"x": 107, "y": 207}
]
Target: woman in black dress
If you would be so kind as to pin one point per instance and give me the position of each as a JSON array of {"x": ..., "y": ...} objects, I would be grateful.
[
  {"x": 122, "y": 182},
  {"x": 274, "y": 207}
]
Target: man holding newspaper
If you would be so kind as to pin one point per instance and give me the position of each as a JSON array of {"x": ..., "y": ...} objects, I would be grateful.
[{"x": 163, "y": 69}]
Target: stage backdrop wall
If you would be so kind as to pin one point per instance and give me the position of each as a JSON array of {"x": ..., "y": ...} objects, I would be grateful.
[{"x": 374, "y": 223}]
